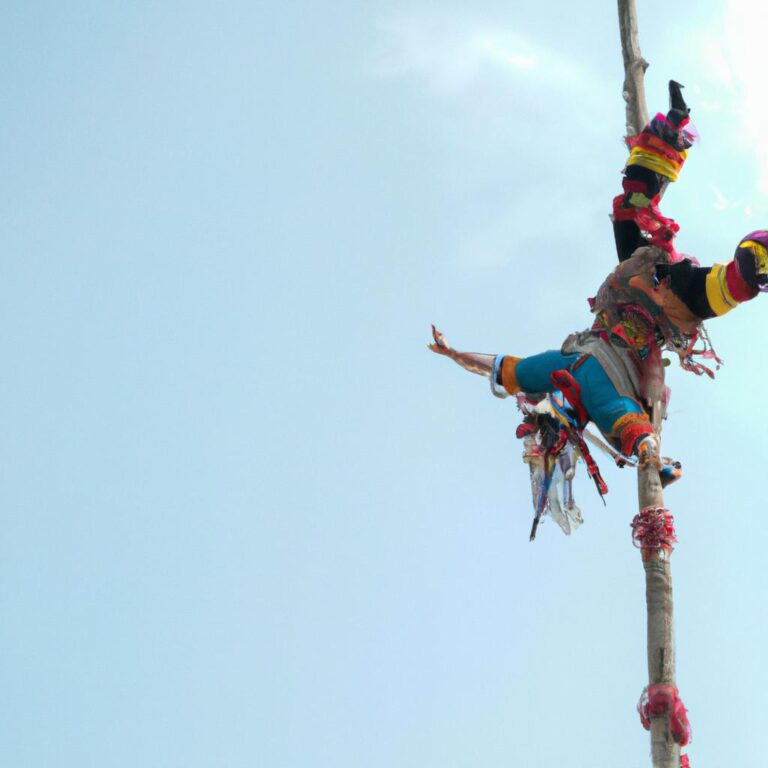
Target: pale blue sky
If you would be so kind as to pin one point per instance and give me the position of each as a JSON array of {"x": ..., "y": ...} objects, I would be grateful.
[{"x": 247, "y": 519}]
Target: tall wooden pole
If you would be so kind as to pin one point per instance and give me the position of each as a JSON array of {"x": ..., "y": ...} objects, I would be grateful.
[
  {"x": 665, "y": 752},
  {"x": 634, "y": 69}
]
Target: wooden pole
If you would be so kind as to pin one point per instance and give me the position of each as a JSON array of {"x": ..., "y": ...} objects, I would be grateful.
[
  {"x": 634, "y": 69},
  {"x": 665, "y": 753}
]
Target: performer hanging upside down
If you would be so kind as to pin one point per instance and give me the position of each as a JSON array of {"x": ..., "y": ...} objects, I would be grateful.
[
  {"x": 613, "y": 374},
  {"x": 655, "y": 300}
]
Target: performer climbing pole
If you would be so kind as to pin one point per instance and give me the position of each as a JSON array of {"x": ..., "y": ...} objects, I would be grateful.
[{"x": 612, "y": 374}]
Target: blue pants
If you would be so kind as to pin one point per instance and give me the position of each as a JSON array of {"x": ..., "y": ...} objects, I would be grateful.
[{"x": 604, "y": 405}]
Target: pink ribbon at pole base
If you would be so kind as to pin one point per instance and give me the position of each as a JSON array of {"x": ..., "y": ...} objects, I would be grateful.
[
  {"x": 660, "y": 699},
  {"x": 654, "y": 528}
]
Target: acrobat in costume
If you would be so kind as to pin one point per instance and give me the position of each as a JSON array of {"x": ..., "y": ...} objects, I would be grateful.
[{"x": 656, "y": 299}]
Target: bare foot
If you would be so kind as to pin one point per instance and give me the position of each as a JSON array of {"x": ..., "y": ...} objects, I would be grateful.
[{"x": 441, "y": 346}]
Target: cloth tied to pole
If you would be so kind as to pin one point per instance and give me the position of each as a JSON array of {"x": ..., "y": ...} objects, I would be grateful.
[
  {"x": 661, "y": 699},
  {"x": 654, "y": 528},
  {"x": 684, "y": 761}
]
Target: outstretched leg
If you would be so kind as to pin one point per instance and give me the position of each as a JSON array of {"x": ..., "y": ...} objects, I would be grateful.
[
  {"x": 506, "y": 370},
  {"x": 656, "y": 156},
  {"x": 472, "y": 361},
  {"x": 621, "y": 419}
]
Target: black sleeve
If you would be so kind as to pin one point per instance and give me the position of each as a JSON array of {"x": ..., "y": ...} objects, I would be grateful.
[{"x": 689, "y": 284}]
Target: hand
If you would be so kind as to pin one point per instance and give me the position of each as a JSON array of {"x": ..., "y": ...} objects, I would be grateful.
[{"x": 441, "y": 346}]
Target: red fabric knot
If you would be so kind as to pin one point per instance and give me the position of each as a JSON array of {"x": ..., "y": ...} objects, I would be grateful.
[
  {"x": 660, "y": 230},
  {"x": 684, "y": 761},
  {"x": 654, "y": 528},
  {"x": 661, "y": 699},
  {"x": 571, "y": 390}
]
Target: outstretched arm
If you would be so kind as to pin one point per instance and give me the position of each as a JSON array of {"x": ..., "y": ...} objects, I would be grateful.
[{"x": 472, "y": 361}]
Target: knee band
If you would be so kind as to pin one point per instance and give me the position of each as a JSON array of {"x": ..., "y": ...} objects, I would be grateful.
[
  {"x": 509, "y": 374},
  {"x": 629, "y": 429}
]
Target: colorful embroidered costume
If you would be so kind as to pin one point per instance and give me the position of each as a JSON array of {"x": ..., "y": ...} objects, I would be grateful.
[
  {"x": 655, "y": 300},
  {"x": 646, "y": 306}
]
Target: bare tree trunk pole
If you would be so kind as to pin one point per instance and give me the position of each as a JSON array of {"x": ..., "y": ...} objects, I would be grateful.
[
  {"x": 665, "y": 752},
  {"x": 634, "y": 69}
]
